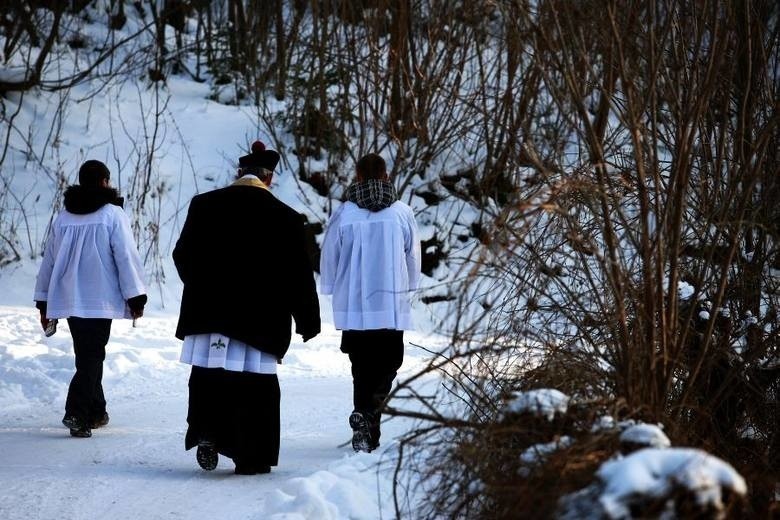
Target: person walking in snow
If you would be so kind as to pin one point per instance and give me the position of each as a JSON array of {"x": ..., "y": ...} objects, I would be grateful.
[
  {"x": 91, "y": 273},
  {"x": 241, "y": 255},
  {"x": 370, "y": 263}
]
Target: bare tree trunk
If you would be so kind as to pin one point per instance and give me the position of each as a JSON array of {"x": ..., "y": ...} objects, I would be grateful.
[
  {"x": 397, "y": 66},
  {"x": 281, "y": 51}
]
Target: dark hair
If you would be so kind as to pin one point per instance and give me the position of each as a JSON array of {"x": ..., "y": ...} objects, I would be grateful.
[
  {"x": 371, "y": 166},
  {"x": 92, "y": 173}
]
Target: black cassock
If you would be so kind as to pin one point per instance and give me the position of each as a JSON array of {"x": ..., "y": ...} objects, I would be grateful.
[{"x": 238, "y": 411}]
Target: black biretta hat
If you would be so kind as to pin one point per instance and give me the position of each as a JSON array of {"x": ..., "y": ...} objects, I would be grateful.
[{"x": 259, "y": 158}]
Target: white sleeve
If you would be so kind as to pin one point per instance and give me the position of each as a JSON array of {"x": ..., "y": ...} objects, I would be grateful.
[
  {"x": 413, "y": 252},
  {"x": 329, "y": 257},
  {"x": 47, "y": 266},
  {"x": 128, "y": 261}
]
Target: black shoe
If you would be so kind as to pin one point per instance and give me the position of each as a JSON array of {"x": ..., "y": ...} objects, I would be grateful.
[
  {"x": 250, "y": 469},
  {"x": 84, "y": 432},
  {"x": 206, "y": 455},
  {"x": 71, "y": 421},
  {"x": 361, "y": 433},
  {"x": 77, "y": 427},
  {"x": 99, "y": 422}
]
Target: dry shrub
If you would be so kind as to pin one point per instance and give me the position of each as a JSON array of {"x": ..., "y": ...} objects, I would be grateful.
[
  {"x": 568, "y": 370},
  {"x": 510, "y": 486},
  {"x": 632, "y": 262}
]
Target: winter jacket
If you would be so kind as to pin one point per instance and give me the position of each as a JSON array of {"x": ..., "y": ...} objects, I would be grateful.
[
  {"x": 241, "y": 255},
  {"x": 370, "y": 263},
  {"x": 91, "y": 266}
]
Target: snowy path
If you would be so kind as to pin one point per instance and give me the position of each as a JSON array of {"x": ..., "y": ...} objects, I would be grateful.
[{"x": 136, "y": 467}]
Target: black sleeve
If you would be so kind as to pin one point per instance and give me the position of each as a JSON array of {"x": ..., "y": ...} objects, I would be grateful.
[
  {"x": 136, "y": 303},
  {"x": 305, "y": 303},
  {"x": 185, "y": 246}
]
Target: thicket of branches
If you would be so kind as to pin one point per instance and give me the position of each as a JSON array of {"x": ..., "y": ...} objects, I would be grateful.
[
  {"x": 581, "y": 162},
  {"x": 633, "y": 263}
]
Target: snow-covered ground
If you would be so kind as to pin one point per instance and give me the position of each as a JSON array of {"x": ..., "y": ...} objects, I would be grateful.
[{"x": 137, "y": 467}]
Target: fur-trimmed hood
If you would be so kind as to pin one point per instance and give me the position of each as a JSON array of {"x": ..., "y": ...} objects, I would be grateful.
[{"x": 82, "y": 200}]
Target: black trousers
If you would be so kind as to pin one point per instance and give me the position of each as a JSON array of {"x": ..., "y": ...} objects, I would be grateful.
[
  {"x": 238, "y": 411},
  {"x": 85, "y": 398},
  {"x": 376, "y": 356}
]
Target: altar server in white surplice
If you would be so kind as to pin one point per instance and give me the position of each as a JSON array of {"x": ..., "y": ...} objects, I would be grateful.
[{"x": 370, "y": 264}]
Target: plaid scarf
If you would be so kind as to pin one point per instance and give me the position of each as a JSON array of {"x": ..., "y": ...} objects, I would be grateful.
[{"x": 373, "y": 195}]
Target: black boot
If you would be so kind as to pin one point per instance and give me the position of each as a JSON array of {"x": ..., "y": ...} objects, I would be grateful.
[
  {"x": 99, "y": 422},
  {"x": 78, "y": 428},
  {"x": 361, "y": 432},
  {"x": 206, "y": 455}
]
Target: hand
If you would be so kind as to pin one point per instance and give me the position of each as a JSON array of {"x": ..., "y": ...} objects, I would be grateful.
[
  {"x": 44, "y": 321},
  {"x": 136, "y": 305},
  {"x": 49, "y": 326},
  {"x": 41, "y": 306}
]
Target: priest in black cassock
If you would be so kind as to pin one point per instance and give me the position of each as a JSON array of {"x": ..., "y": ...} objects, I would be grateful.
[{"x": 247, "y": 275}]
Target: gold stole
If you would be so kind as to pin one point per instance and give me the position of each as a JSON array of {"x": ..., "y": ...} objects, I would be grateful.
[{"x": 250, "y": 181}]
